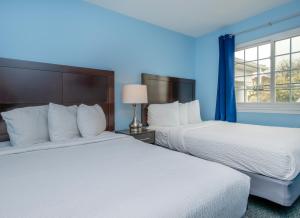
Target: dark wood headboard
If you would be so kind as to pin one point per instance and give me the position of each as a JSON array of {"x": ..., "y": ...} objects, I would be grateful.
[
  {"x": 164, "y": 89},
  {"x": 26, "y": 83}
]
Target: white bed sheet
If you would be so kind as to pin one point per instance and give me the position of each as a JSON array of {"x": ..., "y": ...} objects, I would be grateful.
[
  {"x": 116, "y": 176},
  {"x": 265, "y": 150}
]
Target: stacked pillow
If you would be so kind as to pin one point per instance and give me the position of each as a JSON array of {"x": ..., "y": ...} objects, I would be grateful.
[
  {"x": 62, "y": 122},
  {"x": 163, "y": 114},
  {"x": 91, "y": 120},
  {"x": 190, "y": 112},
  {"x": 53, "y": 122},
  {"x": 27, "y": 125},
  {"x": 174, "y": 114}
]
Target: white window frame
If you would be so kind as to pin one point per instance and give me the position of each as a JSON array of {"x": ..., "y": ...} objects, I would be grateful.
[{"x": 282, "y": 108}]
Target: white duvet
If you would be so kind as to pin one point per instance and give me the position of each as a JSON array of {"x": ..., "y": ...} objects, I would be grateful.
[
  {"x": 270, "y": 151},
  {"x": 115, "y": 176}
]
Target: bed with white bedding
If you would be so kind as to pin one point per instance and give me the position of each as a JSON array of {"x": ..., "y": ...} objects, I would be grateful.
[
  {"x": 273, "y": 152},
  {"x": 59, "y": 162},
  {"x": 115, "y": 175}
]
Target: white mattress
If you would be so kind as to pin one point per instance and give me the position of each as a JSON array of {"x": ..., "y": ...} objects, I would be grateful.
[
  {"x": 116, "y": 176},
  {"x": 265, "y": 150}
]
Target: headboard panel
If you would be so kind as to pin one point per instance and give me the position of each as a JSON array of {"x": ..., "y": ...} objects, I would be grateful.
[
  {"x": 163, "y": 89},
  {"x": 26, "y": 83}
]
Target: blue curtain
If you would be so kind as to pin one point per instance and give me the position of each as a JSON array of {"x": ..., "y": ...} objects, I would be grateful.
[{"x": 226, "y": 106}]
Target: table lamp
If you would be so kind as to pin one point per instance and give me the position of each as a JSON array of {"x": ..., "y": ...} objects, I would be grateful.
[{"x": 135, "y": 94}]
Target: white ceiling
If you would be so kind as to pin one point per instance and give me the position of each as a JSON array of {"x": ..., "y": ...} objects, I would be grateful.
[{"x": 191, "y": 17}]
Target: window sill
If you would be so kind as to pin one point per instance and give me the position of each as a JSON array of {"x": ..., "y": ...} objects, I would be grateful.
[{"x": 280, "y": 108}]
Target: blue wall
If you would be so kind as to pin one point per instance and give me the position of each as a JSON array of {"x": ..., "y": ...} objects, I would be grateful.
[
  {"x": 74, "y": 32},
  {"x": 207, "y": 63},
  {"x": 78, "y": 33}
]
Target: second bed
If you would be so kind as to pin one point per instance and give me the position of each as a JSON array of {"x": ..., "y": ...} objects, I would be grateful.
[{"x": 269, "y": 155}]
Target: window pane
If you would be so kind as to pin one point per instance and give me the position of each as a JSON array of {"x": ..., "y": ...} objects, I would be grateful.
[
  {"x": 239, "y": 95},
  {"x": 251, "y": 67},
  {"x": 239, "y": 70},
  {"x": 239, "y": 82},
  {"x": 282, "y": 63},
  {"x": 282, "y": 47},
  {"x": 250, "y": 82},
  {"x": 296, "y": 44},
  {"x": 282, "y": 95},
  {"x": 264, "y": 79},
  {"x": 239, "y": 56},
  {"x": 264, "y": 66},
  {"x": 295, "y": 94},
  {"x": 264, "y": 96},
  {"x": 251, "y": 54},
  {"x": 251, "y": 96},
  {"x": 283, "y": 86},
  {"x": 296, "y": 61},
  {"x": 295, "y": 76},
  {"x": 264, "y": 51},
  {"x": 254, "y": 72},
  {"x": 282, "y": 78}
]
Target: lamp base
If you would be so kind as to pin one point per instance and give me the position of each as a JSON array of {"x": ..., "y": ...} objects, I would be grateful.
[{"x": 135, "y": 126}]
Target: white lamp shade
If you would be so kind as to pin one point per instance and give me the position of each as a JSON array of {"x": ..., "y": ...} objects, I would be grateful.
[{"x": 135, "y": 94}]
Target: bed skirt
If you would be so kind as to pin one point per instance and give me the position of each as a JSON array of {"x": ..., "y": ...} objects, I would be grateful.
[{"x": 281, "y": 192}]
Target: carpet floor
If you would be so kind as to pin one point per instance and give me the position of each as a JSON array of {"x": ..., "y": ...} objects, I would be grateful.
[{"x": 260, "y": 208}]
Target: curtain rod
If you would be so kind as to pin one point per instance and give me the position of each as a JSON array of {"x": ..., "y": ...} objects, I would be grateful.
[{"x": 268, "y": 24}]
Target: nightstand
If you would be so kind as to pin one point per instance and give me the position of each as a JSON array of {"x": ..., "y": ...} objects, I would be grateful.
[{"x": 145, "y": 135}]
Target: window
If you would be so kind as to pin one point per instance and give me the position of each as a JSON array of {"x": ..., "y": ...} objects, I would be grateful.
[{"x": 268, "y": 72}]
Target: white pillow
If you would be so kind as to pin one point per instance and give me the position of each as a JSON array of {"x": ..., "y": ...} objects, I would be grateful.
[
  {"x": 62, "y": 122},
  {"x": 91, "y": 120},
  {"x": 27, "y": 126},
  {"x": 194, "y": 112},
  {"x": 163, "y": 114},
  {"x": 183, "y": 114}
]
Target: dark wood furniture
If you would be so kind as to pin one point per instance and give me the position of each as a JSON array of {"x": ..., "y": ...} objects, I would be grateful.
[
  {"x": 26, "y": 83},
  {"x": 164, "y": 89},
  {"x": 144, "y": 135}
]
